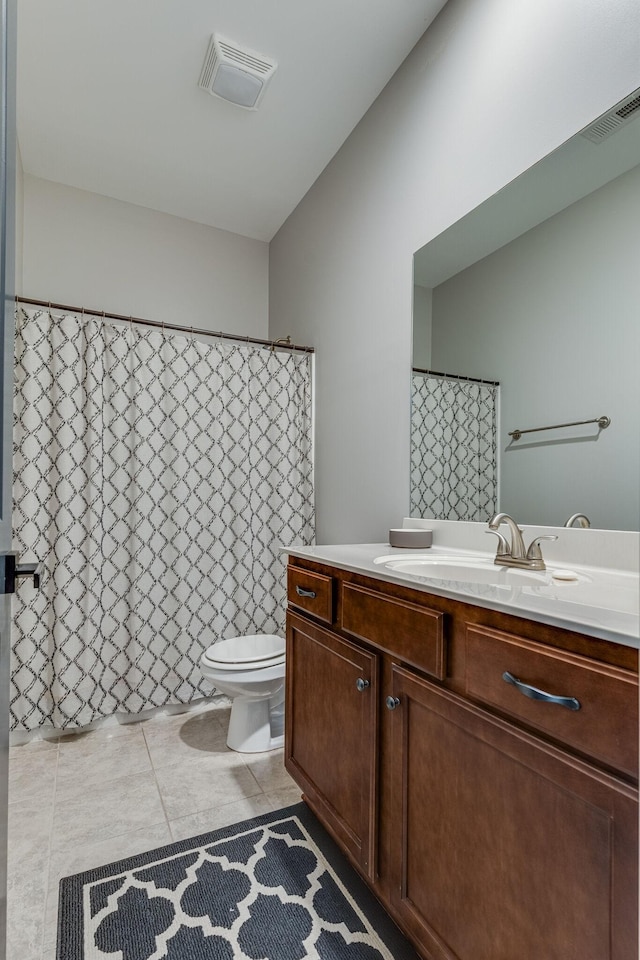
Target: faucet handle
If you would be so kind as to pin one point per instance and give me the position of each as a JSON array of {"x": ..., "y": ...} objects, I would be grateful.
[
  {"x": 503, "y": 546},
  {"x": 534, "y": 552}
]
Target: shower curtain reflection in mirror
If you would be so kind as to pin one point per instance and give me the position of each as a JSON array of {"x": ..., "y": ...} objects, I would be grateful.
[{"x": 454, "y": 473}]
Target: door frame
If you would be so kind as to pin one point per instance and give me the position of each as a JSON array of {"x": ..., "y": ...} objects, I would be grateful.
[{"x": 8, "y": 50}]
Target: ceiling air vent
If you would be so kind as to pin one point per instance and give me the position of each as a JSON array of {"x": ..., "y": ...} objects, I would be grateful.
[
  {"x": 611, "y": 121},
  {"x": 235, "y": 74}
]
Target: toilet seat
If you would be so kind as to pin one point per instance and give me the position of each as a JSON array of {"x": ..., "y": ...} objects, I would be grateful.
[{"x": 251, "y": 652}]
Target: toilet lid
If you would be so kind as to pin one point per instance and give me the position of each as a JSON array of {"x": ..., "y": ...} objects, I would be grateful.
[{"x": 261, "y": 648}]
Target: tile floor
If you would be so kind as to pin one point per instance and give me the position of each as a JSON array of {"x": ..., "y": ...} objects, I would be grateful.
[{"x": 98, "y": 796}]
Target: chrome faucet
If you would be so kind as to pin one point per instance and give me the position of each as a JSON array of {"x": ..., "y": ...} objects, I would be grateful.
[
  {"x": 578, "y": 520},
  {"x": 516, "y": 555}
]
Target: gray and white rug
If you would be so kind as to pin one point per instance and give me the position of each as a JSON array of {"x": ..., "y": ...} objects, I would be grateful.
[{"x": 272, "y": 888}]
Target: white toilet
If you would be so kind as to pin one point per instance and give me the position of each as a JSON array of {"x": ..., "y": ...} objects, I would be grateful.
[{"x": 250, "y": 670}]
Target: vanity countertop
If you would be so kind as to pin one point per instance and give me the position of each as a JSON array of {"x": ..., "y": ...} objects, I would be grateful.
[{"x": 602, "y": 603}]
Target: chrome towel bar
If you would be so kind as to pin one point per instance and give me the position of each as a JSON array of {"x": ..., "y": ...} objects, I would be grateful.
[{"x": 602, "y": 422}]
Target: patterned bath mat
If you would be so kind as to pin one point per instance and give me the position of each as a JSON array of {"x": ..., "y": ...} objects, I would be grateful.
[{"x": 272, "y": 888}]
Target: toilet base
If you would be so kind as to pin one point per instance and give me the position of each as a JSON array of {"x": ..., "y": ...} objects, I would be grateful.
[{"x": 256, "y": 726}]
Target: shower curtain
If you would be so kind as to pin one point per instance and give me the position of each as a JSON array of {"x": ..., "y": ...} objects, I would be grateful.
[
  {"x": 454, "y": 472},
  {"x": 156, "y": 476}
]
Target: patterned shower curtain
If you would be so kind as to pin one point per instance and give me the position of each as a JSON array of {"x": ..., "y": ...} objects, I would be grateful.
[
  {"x": 156, "y": 477},
  {"x": 454, "y": 473}
]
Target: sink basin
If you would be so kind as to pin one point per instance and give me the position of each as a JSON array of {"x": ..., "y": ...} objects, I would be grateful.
[{"x": 467, "y": 570}]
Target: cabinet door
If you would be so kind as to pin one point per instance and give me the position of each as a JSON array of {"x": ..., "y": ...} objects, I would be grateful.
[
  {"x": 331, "y": 733},
  {"x": 505, "y": 847}
]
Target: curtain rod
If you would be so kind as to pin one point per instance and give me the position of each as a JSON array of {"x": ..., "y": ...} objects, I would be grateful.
[
  {"x": 283, "y": 344},
  {"x": 456, "y": 376}
]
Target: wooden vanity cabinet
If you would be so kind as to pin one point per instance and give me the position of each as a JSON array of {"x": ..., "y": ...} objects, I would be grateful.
[
  {"x": 503, "y": 846},
  {"x": 331, "y": 734},
  {"x": 491, "y": 826}
]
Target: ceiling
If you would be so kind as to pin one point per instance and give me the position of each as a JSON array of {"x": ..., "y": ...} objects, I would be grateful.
[{"x": 108, "y": 98}]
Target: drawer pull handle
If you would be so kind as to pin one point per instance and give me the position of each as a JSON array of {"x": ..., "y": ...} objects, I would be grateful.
[
  {"x": 392, "y": 703},
  {"x": 306, "y": 593},
  {"x": 534, "y": 694},
  {"x": 362, "y": 684}
]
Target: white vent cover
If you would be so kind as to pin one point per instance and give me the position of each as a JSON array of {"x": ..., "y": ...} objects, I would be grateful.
[
  {"x": 235, "y": 74},
  {"x": 609, "y": 122}
]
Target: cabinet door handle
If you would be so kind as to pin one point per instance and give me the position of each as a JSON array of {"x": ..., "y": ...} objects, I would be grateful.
[
  {"x": 534, "y": 694},
  {"x": 305, "y": 593},
  {"x": 392, "y": 703},
  {"x": 362, "y": 684}
]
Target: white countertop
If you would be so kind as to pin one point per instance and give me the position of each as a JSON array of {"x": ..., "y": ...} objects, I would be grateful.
[{"x": 603, "y": 603}]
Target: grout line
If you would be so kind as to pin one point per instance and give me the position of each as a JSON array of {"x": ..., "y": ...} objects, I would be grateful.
[
  {"x": 155, "y": 779},
  {"x": 73, "y": 782},
  {"x": 220, "y": 806},
  {"x": 48, "y": 882}
]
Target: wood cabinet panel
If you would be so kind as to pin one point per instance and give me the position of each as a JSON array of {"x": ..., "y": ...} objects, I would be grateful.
[
  {"x": 331, "y": 743},
  {"x": 490, "y": 825},
  {"x": 311, "y": 592},
  {"x": 412, "y": 632},
  {"x": 608, "y": 696},
  {"x": 505, "y": 846}
]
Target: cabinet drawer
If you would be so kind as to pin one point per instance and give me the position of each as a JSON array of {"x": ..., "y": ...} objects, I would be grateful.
[
  {"x": 410, "y": 632},
  {"x": 606, "y": 724},
  {"x": 312, "y": 592}
]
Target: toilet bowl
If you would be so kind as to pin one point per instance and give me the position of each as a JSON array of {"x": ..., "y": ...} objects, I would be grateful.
[{"x": 250, "y": 670}]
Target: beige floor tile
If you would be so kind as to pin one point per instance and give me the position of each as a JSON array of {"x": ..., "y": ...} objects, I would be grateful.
[
  {"x": 32, "y": 773},
  {"x": 49, "y": 949},
  {"x": 284, "y": 797},
  {"x": 220, "y": 816},
  {"x": 201, "y": 783},
  {"x": 76, "y": 859},
  {"x": 29, "y": 832},
  {"x": 33, "y": 746},
  {"x": 99, "y": 811},
  {"x": 26, "y": 897},
  {"x": 97, "y": 759},
  {"x": 105, "y": 730},
  {"x": 66, "y": 862},
  {"x": 223, "y": 711},
  {"x": 183, "y": 736},
  {"x": 110, "y": 731},
  {"x": 269, "y": 770}
]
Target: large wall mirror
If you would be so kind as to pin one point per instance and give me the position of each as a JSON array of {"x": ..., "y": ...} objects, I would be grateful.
[{"x": 527, "y": 316}]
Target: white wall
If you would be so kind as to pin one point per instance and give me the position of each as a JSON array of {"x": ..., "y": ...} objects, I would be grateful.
[
  {"x": 19, "y": 218},
  {"x": 422, "y": 321},
  {"x": 91, "y": 251},
  {"x": 491, "y": 88},
  {"x": 553, "y": 316}
]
